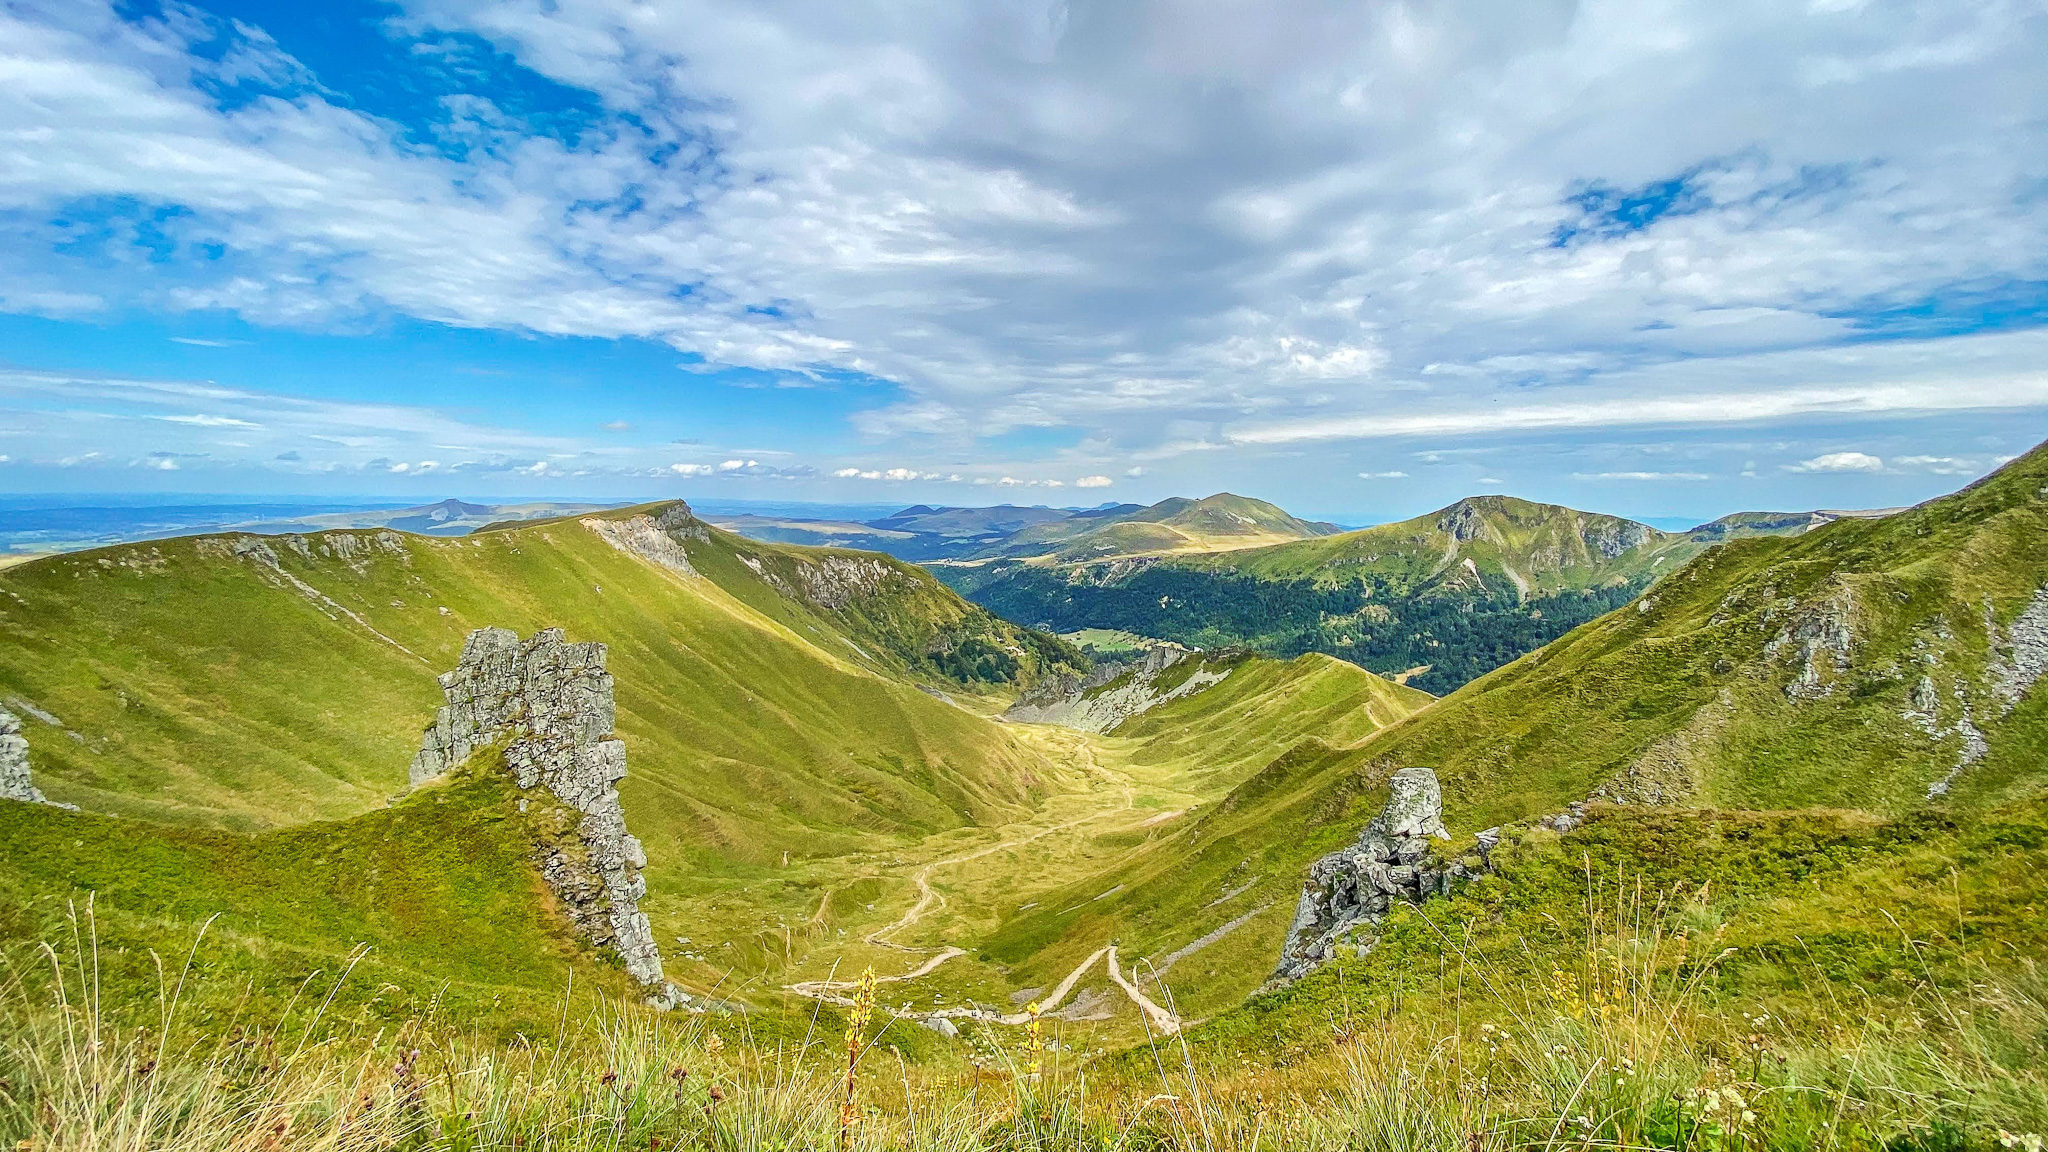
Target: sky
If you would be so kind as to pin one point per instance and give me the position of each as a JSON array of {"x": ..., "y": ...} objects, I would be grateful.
[{"x": 1658, "y": 257}]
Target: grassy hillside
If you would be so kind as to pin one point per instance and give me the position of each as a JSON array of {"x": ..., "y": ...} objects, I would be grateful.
[
  {"x": 436, "y": 899},
  {"x": 1445, "y": 597},
  {"x": 1773, "y": 673},
  {"x": 768, "y": 697},
  {"x": 1222, "y": 734},
  {"x": 1179, "y": 524}
]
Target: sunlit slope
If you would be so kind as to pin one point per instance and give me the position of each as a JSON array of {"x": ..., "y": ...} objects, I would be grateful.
[
  {"x": 1498, "y": 543},
  {"x": 1773, "y": 673},
  {"x": 1224, "y": 733},
  {"x": 436, "y": 900},
  {"x": 251, "y": 682},
  {"x": 1179, "y": 524},
  {"x": 1444, "y": 598}
]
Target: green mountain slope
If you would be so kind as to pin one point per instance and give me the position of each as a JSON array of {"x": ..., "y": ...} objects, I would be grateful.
[
  {"x": 437, "y": 899},
  {"x": 1875, "y": 664},
  {"x": 1450, "y": 595},
  {"x": 1179, "y": 524},
  {"x": 249, "y": 682}
]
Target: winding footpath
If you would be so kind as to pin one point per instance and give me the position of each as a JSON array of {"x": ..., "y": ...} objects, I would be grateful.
[{"x": 832, "y": 991}]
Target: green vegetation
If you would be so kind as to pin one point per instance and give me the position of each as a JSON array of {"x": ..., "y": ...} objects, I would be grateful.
[
  {"x": 1800, "y": 910},
  {"x": 1449, "y": 596},
  {"x": 436, "y": 900},
  {"x": 1222, "y": 521}
]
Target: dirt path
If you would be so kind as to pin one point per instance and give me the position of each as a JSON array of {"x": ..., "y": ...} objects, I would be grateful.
[{"x": 929, "y": 898}]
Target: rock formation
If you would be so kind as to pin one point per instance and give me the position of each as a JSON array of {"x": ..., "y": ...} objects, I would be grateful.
[
  {"x": 551, "y": 703},
  {"x": 1353, "y": 887},
  {"x": 1113, "y": 692},
  {"x": 14, "y": 778}
]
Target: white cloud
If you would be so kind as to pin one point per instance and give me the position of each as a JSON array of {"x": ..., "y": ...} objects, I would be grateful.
[
  {"x": 1839, "y": 462},
  {"x": 1093, "y": 482},
  {"x": 1382, "y": 475},
  {"x": 1135, "y": 471},
  {"x": 1938, "y": 465},
  {"x": 209, "y": 421},
  {"x": 1641, "y": 476},
  {"x": 1363, "y": 209},
  {"x": 692, "y": 469}
]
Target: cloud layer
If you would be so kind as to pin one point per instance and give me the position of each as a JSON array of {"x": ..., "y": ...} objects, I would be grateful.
[{"x": 1142, "y": 230}]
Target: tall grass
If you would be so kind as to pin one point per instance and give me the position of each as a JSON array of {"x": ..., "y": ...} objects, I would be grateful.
[{"x": 1620, "y": 1047}]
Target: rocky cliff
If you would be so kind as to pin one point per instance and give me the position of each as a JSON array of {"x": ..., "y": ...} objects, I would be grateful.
[
  {"x": 1113, "y": 693},
  {"x": 550, "y": 703},
  {"x": 1352, "y": 888}
]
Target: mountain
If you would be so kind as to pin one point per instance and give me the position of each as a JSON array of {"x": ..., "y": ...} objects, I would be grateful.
[
  {"x": 234, "y": 714},
  {"x": 785, "y": 661},
  {"x": 1880, "y": 675},
  {"x": 1222, "y": 521},
  {"x": 923, "y": 533},
  {"x": 1438, "y": 599}
]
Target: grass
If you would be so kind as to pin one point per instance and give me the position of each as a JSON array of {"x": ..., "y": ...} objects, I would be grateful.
[
  {"x": 1685, "y": 691},
  {"x": 1628, "y": 1040},
  {"x": 196, "y": 689}
]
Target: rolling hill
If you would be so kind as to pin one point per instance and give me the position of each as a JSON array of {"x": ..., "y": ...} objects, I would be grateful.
[
  {"x": 1878, "y": 675},
  {"x": 923, "y": 533},
  {"x": 1439, "y": 599}
]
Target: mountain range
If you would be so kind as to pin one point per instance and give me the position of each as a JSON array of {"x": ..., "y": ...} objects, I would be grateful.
[
  {"x": 1435, "y": 600},
  {"x": 1804, "y": 738}
]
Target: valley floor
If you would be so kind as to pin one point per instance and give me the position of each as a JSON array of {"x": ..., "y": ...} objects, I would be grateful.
[{"x": 916, "y": 914}]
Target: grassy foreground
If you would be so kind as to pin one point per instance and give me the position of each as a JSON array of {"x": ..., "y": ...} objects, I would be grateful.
[{"x": 1624, "y": 1046}]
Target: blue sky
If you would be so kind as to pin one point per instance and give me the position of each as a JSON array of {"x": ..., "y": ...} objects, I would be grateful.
[{"x": 1669, "y": 260}]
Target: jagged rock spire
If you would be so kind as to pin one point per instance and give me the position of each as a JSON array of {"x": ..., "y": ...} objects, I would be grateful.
[{"x": 551, "y": 702}]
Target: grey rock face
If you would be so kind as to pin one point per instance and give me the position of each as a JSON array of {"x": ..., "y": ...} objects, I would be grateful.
[
  {"x": 1352, "y": 888},
  {"x": 1092, "y": 705},
  {"x": 552, "y": 702},
  {"x": 14, "y": 778},
  {"x": 2020, "y": 657},
  {"x": 654, "y": 538}
]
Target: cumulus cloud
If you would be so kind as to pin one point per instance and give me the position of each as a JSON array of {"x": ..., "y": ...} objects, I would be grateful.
[
  {"x": 1370, "y": 216},
  {"x": 1093, "y": 482},
  {"x": 1839, "y": 462},
  {"x": 1382, "y": 475}
]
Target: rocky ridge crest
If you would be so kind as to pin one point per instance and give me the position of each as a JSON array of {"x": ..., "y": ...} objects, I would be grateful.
[{"x": 550, "y": 702}]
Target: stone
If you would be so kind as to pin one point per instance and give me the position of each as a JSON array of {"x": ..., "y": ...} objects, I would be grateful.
[
  {"x": 15, "y": 783},
  {"x": 942, "y": 1026},
  {"x": 550, "y": 703},
  {"x": 1350, "y": 890}
]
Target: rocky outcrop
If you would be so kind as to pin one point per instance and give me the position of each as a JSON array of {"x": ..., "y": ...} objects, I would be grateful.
[
  {"x": 1113, "y": 693},
  {"x": 550, "y": 703},
  {"x": 15, "y": 783},
  {"x": 1824, "y": 635},
  {"x": 2019, "y": 657},
  {"x": 657, "y": 539},
  {"x": 1352, "y": 889}
]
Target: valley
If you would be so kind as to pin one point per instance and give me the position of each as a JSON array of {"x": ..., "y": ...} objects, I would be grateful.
[{"x": 847, "y": 799}]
